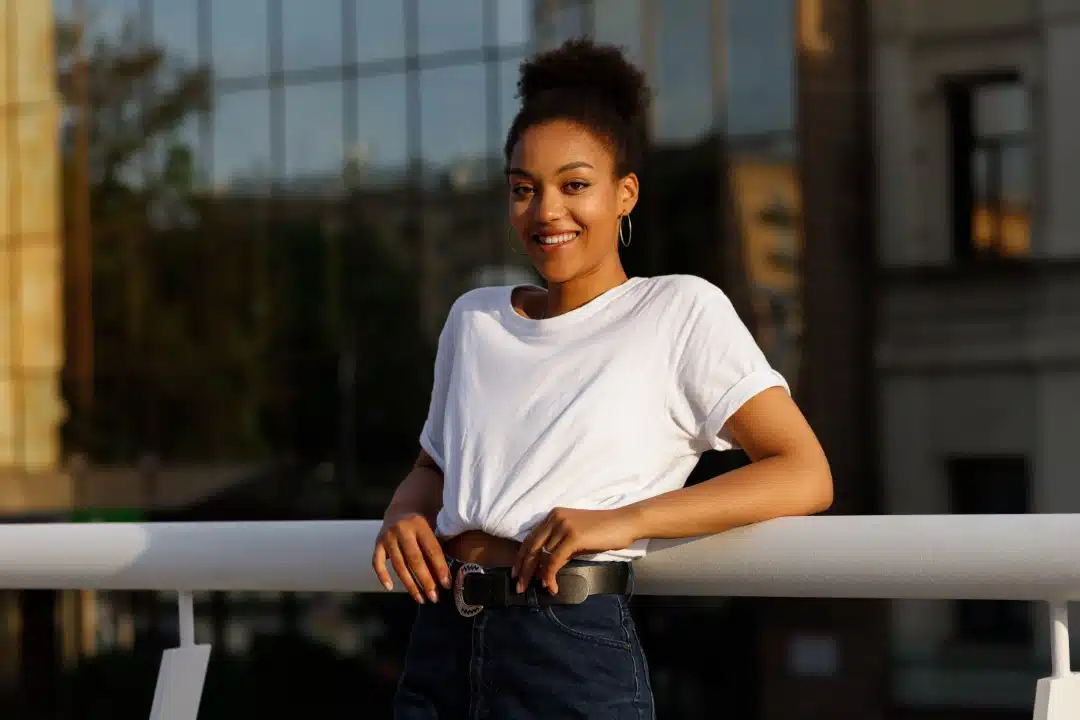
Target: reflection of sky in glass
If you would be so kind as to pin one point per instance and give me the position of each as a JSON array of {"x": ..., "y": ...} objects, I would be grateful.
[
  {"x": 761, "y": 65},
  {"x": 452, "y": 119},
  {"x": 761, "y": 58},
  {"x": 509, "y": 103},
  {"x": 684, "y": 96},
  {"x": 619, "y": 22},
  {"x": 176, "y": 28},
  {"x": 444, "y": 26},
  {"x": 381, "y": 138},
  {"x": 312, "y": 34},
  {"x": 514, "y": 22},
  {"x": 241, "y": 37},
  {"x": 241, "y": 136},
  {"x": 380, "y": 29},
  {"x": 314, "y": 142},
  {"x": 108, "y": 17}
]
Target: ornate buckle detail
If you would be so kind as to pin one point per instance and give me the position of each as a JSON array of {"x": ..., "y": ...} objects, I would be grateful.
[{"x": 459, "y": 590}]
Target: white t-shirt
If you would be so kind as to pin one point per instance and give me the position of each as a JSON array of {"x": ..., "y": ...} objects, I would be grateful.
[{"x": 600, "y": 407}]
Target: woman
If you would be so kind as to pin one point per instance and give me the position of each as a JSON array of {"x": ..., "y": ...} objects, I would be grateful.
[{"x": 563, "y": 424}]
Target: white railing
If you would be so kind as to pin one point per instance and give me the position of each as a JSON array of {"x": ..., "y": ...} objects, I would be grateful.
[{"x": 1006, "y": 557}]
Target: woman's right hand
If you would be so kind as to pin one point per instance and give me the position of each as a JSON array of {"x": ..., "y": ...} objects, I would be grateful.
[{"x": 408, "y": 541}]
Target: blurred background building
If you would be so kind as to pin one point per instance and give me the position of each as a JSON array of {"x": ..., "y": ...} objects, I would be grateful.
[{"x": 231, "y": 230}]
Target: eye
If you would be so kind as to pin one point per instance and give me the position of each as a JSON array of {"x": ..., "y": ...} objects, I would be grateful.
[
  {"x": 521, "y": 191},
  {"x": 576, "y": 185}
]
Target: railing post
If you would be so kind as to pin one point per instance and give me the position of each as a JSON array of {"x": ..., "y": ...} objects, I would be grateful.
[
  {"x": 1058, "y": 696},
  {"x": 183, "y": 670}
]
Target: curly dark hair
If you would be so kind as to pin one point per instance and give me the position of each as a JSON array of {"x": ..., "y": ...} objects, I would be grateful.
[{"x": 590, "y": 84}]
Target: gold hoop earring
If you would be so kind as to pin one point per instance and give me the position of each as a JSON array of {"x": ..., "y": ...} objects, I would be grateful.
[{"x": 625, "y": 242}]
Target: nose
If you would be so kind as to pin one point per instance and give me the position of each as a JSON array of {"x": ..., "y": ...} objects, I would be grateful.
[{"x": 548, "y": 206}]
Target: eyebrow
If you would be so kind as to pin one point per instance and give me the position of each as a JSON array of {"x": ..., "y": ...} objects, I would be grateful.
[{"x": 565, "y": 168}]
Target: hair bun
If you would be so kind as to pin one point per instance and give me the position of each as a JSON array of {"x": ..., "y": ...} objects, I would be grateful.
[{"x": 581, "y": 66}]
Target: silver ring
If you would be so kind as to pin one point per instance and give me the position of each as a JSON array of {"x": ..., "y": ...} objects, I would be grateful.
[{"x": 545, "y": 550}]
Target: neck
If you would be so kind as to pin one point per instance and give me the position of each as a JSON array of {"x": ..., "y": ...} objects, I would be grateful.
[{"x": 572, "y": 294}]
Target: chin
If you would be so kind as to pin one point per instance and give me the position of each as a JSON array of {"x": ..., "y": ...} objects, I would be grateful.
[{"x": 556, "y": 271}]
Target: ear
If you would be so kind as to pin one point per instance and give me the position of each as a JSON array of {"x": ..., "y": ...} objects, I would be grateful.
[{"x": 628, "y": 193}]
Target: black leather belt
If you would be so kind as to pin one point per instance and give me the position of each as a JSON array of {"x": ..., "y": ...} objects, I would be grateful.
[{"x": 476, "y": 587}]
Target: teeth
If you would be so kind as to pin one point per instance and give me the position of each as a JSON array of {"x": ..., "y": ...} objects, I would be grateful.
[{"x": 556, "y": 239}]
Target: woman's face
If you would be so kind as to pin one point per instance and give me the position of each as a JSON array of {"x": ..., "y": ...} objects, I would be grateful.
[{"x": 565, "y": 200}]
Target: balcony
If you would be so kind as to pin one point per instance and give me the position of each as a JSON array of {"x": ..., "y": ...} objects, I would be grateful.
[{"x": 1000, "y": 557}]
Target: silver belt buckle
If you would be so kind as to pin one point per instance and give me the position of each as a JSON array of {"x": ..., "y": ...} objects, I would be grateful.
[{"x": 459, "y": 590}]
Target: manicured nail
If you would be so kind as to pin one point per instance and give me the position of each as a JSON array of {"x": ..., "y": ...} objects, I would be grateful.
[
  {"x": 388, "y": 585},
  {"x": 445, "y": 579},
  {"x": 520, "y": 587},
  {"x": 433, "y": 595}
]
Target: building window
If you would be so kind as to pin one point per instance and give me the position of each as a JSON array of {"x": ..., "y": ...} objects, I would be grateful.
[
  {"x": 988, "y": 485},
  {"x": 990, "y": 129}
]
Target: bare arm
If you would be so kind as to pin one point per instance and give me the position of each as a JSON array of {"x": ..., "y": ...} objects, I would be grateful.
[
  {"x": 788, "y": 475},
  {"x": 420, "y": 492},
  {"x": 407, "y": 538}
]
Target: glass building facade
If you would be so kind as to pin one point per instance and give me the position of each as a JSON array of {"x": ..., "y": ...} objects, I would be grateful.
[{"x": 266, "y": 208}]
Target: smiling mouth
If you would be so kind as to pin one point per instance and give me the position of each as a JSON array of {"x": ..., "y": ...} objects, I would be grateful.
[{"x": 552, "y": 241}]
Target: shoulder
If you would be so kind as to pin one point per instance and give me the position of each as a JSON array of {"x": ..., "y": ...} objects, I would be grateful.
[
  {"x": 688, "y": 295},
  {"x": 474, "y": 304}
]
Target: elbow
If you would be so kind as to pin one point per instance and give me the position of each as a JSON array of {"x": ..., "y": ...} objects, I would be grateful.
[{"x": 819, "y": 484}]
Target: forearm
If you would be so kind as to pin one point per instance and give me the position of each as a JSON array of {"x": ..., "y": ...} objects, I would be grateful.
[
  {"x": 420, "y": 492},
  {"x": 772, "y": 487}
]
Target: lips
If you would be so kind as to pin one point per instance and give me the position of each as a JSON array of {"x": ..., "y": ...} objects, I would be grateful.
[{"x": 553, "y": 240}]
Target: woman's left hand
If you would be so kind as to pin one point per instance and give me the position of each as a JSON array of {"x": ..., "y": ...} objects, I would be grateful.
[{"x": 565, "y": 533}]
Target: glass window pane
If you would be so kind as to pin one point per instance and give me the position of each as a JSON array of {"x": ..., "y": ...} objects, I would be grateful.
[
  {"x": 1016, "y": 197},
  {"x": 113, "y": 18},
  {"x": 1000, "y": 109},
  {"x": 761, "y": 66},
  {"x": 1016, "y": 174},
  {"x": 559, "y": 21},
  {"x": 453, "y": 120},
  {"x": 446, "y": 26},
  {"x": 380, "y": 29},
  {"x": 241, "y": 38},
  {"x": 176, "y": 28},
  {"x": 314, "y": 142},
  {"x": 380, "y": 154},
  {"x": 312, "y": 34},
  {"x": 619, "y": 22},
  {"x": 509, "y": 103},
  {"x": 684, "y": 92},
  {"x": 980, "y": 174},
  {"x": 514, "y": 22},
  {"x": 241, "y": 139}
]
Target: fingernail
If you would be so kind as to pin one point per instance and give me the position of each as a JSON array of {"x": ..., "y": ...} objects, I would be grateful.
[
  {"x": 434, "y": 596},
  {"x": 388, "y": 586},
  {"x": 445, "y": 581},
  {"x": 520, "y": 587},
  {"x": 420, "y": 599}
]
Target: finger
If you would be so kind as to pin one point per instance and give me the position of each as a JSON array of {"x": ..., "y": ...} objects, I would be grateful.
[
  {"x": 560, "y": 555},
  {"x": 414, "y": 557},
  {"x": 397, "y": 559},
  {"x": 378, "y": 563},
  {"x": 532, "y": 557},
  {"x": 436, "y": 559}
]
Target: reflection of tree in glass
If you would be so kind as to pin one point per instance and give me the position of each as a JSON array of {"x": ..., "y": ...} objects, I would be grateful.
[{"x": 138, "y": 177}]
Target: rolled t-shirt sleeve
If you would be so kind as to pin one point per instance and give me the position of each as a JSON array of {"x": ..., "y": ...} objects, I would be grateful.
[
  {"x": 432, "y": 435},
  {"x": 718, "y": 368}
]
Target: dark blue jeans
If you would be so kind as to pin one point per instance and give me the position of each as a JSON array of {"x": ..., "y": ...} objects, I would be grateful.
[{"x": 517, "y": 663}]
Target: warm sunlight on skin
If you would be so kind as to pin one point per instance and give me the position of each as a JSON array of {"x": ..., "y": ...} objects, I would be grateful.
[{"x": 565, "y": 207}]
